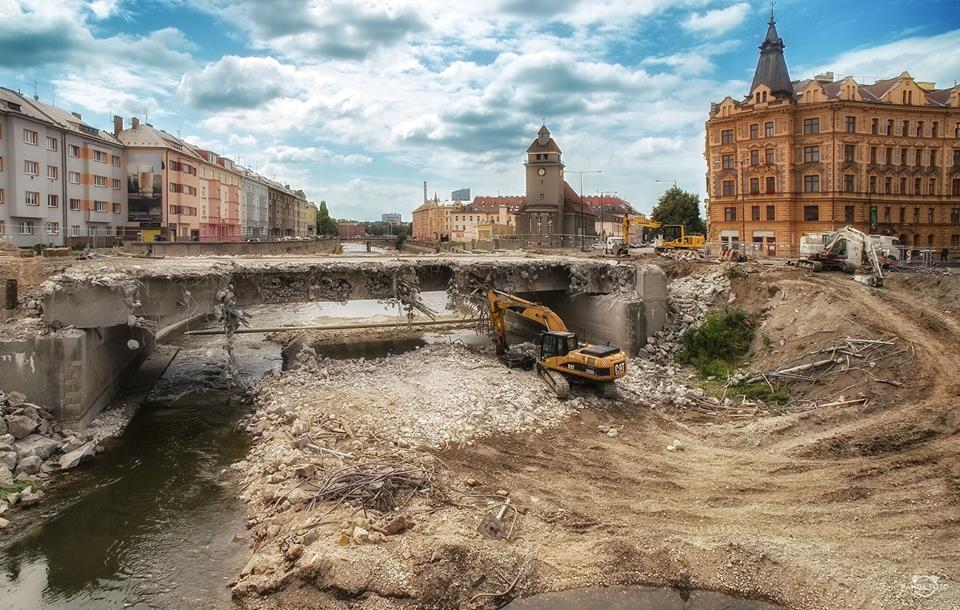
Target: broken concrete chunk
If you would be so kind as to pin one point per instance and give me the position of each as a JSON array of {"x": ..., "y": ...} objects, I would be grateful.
[
  {"x": 72, "y": 459},
  {"x": 5, "y": 475},
  {"x": 15, "y": 399},
  {"x": 30, "y": 465},
  {"x": 8, "y": 459},
  {"x": 4, "y": 524},
  {"x": 21, "y": 425},
  {"x": 299, "y": 427},
  {"x": 397, "y": 525},
  {"x": 29, "y": 497},
  {"x": 35, "y": 445}
]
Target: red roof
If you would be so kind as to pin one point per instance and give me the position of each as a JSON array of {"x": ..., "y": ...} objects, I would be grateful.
[
  {"x": 611, "y": 204},
  {"x": 573, "y": 203}
]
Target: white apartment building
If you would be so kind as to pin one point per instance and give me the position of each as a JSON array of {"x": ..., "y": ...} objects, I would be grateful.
[
  {"x": 60, "y": 178},
  {"x": 254, "y": 205}
]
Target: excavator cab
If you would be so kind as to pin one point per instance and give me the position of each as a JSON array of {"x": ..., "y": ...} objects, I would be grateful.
[{"x": 557, "y": 344}]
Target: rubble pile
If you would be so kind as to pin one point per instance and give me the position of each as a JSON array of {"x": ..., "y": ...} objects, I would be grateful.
[
  {"x": 33, "y": 447},
  {"x": 682, "y": 255},
  {"x": 439, "y": 395},
  {"x": 660, "y": 385},
  {"x": 689, "y": 299}
]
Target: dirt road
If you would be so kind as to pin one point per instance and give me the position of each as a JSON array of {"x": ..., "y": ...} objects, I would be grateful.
[{"x": 852, "y": 506}]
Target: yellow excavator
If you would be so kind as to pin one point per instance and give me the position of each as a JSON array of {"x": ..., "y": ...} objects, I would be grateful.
[
  {"x": 561, "y": 356},
  {"x": 680, "y": 241}
]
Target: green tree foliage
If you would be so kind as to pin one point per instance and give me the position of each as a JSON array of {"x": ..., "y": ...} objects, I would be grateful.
[
  {"x": 679, "y": 207},
  {"x": 325, "y": 224}
]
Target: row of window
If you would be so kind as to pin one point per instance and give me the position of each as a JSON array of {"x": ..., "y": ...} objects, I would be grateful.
[
  {"x": 186, "y": 189},
  {"x": 32, "y": 198},
  {"x": 811, "y": 184},
  {"x": 811, "y": 154},
  {"x": 26, "y": 227},
  {"x": 33, "y": 137},
  {"x": 186, "y": 168},
  {"x": 812, "y": 126},
  {"x": 812, "y": 213},
  {"x": 849, "y": 154},
  {"x": 32, "y": 168},
  {"x": 183, "y": 210}
]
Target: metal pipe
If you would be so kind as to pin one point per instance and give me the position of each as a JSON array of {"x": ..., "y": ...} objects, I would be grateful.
[{"x": 274, "y": 329}]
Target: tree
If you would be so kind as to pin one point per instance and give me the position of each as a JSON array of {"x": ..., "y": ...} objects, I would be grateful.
[
  {"x": 678, "y": 207},
  {"x": 325, "y": 224}
]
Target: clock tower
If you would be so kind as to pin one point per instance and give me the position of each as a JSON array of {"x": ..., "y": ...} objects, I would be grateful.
[{"x": 544, "y": 174}]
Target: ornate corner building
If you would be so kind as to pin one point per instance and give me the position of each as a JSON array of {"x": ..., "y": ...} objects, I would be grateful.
[{"x": 801, "y": 157}]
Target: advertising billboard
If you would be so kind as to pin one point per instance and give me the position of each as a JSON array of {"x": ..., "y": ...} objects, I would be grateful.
[{"x": 145, "y": 188}]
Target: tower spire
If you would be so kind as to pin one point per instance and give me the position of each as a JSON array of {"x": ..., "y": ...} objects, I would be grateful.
[{"x": 772, "y": 67}]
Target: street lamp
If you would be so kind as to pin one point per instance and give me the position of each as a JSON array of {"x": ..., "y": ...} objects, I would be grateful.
[{"x": 582, "y": 172}]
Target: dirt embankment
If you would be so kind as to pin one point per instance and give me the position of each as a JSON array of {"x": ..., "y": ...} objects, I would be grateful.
[{"x": 846, "y": 506}]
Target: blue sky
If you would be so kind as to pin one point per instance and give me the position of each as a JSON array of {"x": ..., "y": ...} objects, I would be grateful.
[{"x": 358, "y": 102}]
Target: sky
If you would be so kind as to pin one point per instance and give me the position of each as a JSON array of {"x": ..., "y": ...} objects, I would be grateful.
[{"x": 358, "y": 102}]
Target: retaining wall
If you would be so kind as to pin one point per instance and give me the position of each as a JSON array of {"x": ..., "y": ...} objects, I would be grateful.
[
  {"x": 233, "y": 248},
  {"x": 74, "y": 375}
]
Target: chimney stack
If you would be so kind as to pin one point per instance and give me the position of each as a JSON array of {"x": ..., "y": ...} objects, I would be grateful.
[
  {"x": 117, "y": 124},
  {"x": 136, "y": 122},
  {"x": 424, "y": 191}
]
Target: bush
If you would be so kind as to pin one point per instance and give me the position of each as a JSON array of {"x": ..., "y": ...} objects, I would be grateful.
[
  {"x": 735, "y": 272},
  {"x": 725, "y": 336},
  {"x": 777, "y": 394}
]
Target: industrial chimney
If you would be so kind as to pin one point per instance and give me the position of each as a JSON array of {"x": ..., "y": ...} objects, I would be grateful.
[{"x": 424, "y": 191}]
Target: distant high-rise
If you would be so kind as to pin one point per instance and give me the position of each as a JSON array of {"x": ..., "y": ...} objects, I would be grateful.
[{"x": 460, "y": 195}]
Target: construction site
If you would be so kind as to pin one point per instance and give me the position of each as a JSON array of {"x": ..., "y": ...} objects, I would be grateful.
[{"x": 524, "y": 430}]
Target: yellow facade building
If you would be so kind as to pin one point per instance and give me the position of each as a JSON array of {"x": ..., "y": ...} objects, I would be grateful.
[{"x": 800, "y": 157}]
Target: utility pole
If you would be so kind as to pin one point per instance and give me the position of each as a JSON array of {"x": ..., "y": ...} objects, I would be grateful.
[
  {"x": 602, "y": 193},
  {"x": 587, "y": 171}
]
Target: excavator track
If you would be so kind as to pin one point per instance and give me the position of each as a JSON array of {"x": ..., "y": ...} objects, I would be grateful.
[
  {"x": 608, "y": 389},
  {"x": 555, "y": 381}
]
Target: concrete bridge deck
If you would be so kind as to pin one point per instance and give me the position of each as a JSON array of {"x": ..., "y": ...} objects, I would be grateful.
[
  {"x": 169, "y": 290},
  {"x": 75, "y": 372}
]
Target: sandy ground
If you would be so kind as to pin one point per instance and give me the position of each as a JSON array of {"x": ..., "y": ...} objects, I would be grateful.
[{"x": 853, "y": 506}]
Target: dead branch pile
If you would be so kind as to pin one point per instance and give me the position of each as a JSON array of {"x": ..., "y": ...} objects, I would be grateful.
[
  {"x": 848, "y": 354},
  {"x": 378, "y": 487}
]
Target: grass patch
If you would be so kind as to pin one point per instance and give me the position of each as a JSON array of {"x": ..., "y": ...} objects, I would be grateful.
[
  {"x": 760, "y": 391},
  {"x": 14, "y": 487}
]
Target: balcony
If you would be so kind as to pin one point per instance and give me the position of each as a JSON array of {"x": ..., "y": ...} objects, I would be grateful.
[{"x": 95, "y": 216}]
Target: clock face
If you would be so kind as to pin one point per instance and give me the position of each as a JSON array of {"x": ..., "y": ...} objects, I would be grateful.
[{"x": 542, "y": 171}]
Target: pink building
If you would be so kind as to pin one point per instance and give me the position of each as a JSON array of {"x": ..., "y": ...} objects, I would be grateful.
[{"x": 220, "y": 220}]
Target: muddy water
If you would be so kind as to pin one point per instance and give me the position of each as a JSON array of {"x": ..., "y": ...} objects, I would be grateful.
[
  {"x": 151, "y": 523},
  {"x": 637, "y": 598}
]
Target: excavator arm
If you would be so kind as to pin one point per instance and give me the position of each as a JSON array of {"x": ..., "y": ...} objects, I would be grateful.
[{"x": 501, "y": 302}]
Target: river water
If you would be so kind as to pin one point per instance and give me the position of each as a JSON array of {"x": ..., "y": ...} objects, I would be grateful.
[{"x": 150, "y": 522}]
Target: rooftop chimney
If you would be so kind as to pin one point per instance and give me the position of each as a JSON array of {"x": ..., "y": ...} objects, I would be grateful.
[
  {"x": 136, "y": 122},
  {"x": 117, "y": 124},
  {"x": 77, "y": 114},
  {"x": 826, "y": 77}
]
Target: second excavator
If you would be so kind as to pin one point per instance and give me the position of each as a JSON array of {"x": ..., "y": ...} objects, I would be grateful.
[{"x": 561, "y": 356}]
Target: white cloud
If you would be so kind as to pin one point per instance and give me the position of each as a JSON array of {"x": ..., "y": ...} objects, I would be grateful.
[
  {"x": 930, "y": 58},
  {"x": 238, "y": 82},
  {"x": 717, "y": 21}
]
